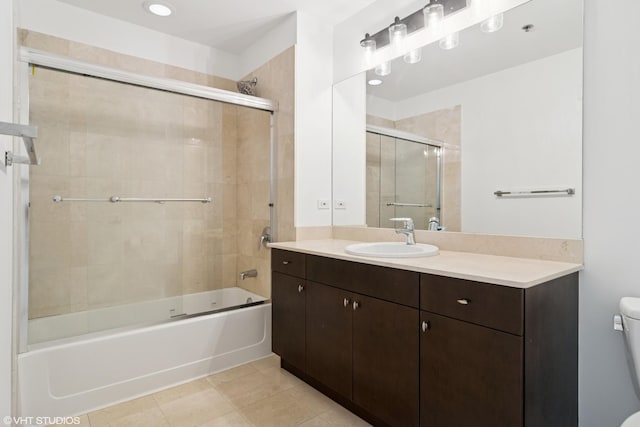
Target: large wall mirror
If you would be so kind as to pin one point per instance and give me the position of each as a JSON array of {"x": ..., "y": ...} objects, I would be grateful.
[{"x": 482, "y": 138}]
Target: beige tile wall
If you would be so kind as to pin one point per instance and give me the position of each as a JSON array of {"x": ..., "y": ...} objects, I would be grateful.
[
  {"x": 99, "y": 138},
  {"x": 276, "y": 82}
]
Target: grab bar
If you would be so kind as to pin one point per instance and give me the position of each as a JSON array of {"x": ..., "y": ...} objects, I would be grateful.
[
  {"x": 116, "y": 199},
  {"x": 27, "y": 133},
  {"x": 410, "y": 205},
  {"x": 568, "y": 191}
]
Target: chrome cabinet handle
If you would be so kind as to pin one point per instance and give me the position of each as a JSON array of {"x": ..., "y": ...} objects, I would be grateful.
[
  {"x": 355, "y": 305},
  {"x": 346, "y": 302},
  {"x": 285, "y": 262},
  {"x": 463, "y": 301},
  {"x": 300, "y": 288},
  {"x": 425, "y": 326}
]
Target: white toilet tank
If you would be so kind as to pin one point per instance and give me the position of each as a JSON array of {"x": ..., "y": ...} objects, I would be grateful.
[{"x": 630, "y": 310}]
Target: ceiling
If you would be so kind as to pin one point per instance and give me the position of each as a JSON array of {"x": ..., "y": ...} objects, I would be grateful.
[
  {"x": 558, "y": 28},
  {"x": 229, "y": 25}
]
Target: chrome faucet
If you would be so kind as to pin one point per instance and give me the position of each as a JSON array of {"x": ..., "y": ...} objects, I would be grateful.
[
  {"x": 407, "y": 230},
  {"x": 248, "y": 273}
]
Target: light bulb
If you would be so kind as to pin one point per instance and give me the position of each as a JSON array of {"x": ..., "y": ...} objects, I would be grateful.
[
  {"x": 369, "y": 45},
  {"x": 492, "y": 24},
  {"x": 383, "y": 69},
  {"x": 397, "y": 32},
  {"x": 375, "y": 82},
  {"x": 433, "y": 16},
  {"x": 450, "y": 42},
  {"x": 413, "y": 56},
  {"x": 158, "y": 8}
]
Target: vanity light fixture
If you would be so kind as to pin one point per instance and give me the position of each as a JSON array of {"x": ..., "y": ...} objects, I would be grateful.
[
  {"x": 450, "y": 42},
  {"x": 374, "y": 82},
  {"x": 430, "y": 17},
  {"x": 158, "y": 8},
  {"x": 492, "y": 24},
  {"x": 433, "y": 16},
  {"x": 397, "y": 32}
]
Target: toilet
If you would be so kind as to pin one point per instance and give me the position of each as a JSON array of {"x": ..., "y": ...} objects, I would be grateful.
[{"x": 630, "y": 311}]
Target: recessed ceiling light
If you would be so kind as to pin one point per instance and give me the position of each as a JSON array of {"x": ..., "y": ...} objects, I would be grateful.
[
  {"x": 157, "y": 8},
  {"x": 375, "y": 82}
]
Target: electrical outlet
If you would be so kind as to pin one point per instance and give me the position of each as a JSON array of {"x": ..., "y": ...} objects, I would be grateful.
[
  {"x": 323, "y": 204},
  {"x": 340, "y": 204}
]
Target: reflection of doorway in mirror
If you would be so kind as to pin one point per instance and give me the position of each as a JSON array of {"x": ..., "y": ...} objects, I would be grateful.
[{"x": 400, "y": 172}]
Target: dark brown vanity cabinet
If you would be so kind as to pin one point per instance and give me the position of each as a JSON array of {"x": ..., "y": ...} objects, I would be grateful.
[
  {"x": 401, "y": 348},
  {"x": 288, "y": 308},
  {"x": 498, "y": 356}
]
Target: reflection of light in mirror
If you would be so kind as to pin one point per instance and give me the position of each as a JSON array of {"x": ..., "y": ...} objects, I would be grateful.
[
  {"x": 413, "y": 56},
  {"x": 397, "y": 32},
  {"x": 426, "y": 154},
  {"x": 492, "y": 24},
  {"x": 383, "y": 69},
  {"x": 450, "y": 42},
  {"x": 375, "y": 82},
  {"x": 433, "y": 15}
]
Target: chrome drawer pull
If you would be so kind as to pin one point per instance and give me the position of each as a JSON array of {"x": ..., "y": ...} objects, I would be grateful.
[
  {"x": 346, "y": 302},
  {"x": 463, "y": 301},
  {"x": 285, "y": 262},
  {"x": 425, "y": 326},
  {"x": 300, "y": 288},
  {"x": 355, "y": 305}
]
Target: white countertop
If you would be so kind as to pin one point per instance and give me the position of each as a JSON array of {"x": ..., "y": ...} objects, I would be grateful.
[{"x": 499, "y": 270}]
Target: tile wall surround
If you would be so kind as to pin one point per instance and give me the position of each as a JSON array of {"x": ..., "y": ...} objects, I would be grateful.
[{"x": 87, "y": 256}]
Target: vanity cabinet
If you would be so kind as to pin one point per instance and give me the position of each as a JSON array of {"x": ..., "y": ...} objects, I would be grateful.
[
  {"x": 289, "y": 307},
  {"x": 400, "y": 348}
]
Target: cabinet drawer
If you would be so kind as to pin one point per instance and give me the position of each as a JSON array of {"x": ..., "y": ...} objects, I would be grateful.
[
  {"x": 494, "y": 306},
  {"x": 399, "y": 286},
  {"x": 287, "y": 262}
]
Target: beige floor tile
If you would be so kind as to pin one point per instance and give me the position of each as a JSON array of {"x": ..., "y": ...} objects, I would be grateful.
[
  {"x": 340, "y": 417},
  {"x": 232, "y": 374},
  {"x": 279, "y": 410},
  {"x": 137, "y": 412},
  {"x": 249, "y": 389},
  {"x": 233, "y": 419},
  {"x": 193, "y": 404},
  {"x": 267, "y": 363}
]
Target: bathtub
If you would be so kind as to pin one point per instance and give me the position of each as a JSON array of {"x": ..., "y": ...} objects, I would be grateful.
[{"x": 78, "y": 375}]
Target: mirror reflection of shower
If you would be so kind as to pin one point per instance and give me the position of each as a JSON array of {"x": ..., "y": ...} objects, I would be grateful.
[{"x": 403, "y": 178}]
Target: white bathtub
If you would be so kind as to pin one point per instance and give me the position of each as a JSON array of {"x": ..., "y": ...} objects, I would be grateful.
[{"x": 83, "y": 374}]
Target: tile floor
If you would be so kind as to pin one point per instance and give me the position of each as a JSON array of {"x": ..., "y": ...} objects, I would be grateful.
[{"x": 256, "y": 394}]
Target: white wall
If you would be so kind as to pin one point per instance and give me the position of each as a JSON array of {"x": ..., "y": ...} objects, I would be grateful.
[
  {"x": 350, "y": 150},
  {"x": 313, "y": 113},
  {"x": 521, "y": 130},
  {"x": 611, "y": 206},
  {"x": 80, "y": 25},
  {"x": 6, "y": 206}
]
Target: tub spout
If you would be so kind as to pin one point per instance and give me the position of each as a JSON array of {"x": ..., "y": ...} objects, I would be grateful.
[{"x": 248, "y": 273}]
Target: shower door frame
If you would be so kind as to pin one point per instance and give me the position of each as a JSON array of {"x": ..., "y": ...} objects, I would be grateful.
[
  {"x": 411, "y": 137},
  {"x": 28, "y": 58}
]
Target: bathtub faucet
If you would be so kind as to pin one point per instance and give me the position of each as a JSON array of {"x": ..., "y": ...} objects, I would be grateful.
[{"x": 248, "y": 273}]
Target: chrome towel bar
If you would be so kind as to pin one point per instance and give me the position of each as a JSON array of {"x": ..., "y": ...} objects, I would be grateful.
[
  {"x": 410, "y": 205},
  {"x": 568, "y": 191},
  {"x": 117, "y": 199}
]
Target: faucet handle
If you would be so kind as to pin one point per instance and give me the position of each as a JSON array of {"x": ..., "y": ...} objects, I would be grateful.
[{"x": 408, "y": 222}]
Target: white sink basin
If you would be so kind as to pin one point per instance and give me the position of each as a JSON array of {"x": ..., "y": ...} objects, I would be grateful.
[{"x": 392, "y": 250}]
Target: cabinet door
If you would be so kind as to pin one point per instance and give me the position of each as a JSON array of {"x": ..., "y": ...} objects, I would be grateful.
[
  {"x": 386, "y": 360},
  {"x": 470, "y": 375},
  {"x": 288, "y": 312},
  {"x": 329, "y": 336}
]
